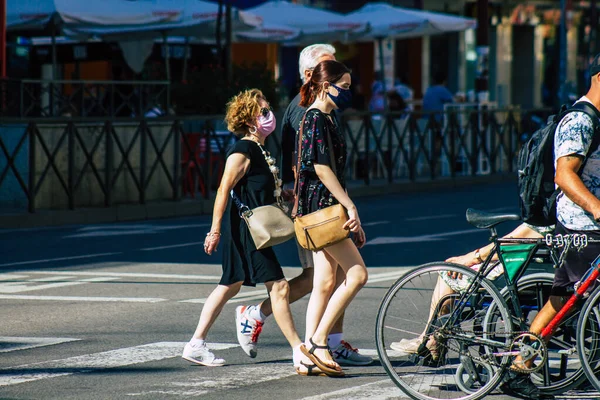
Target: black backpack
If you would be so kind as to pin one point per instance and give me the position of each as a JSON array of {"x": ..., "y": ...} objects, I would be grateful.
[{"x": 537, "y": 193}]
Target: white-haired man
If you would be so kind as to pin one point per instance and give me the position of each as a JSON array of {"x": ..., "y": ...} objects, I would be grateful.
[{"x": 249, "y": 319}]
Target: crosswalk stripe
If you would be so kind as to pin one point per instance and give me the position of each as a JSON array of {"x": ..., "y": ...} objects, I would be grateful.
[
  {"x": 238, "y": 298},
  {"x": 11, "y": 343},
  {"x": 238, "y": 377},
  {"x": 59, "y": 259},
  {"x": 133, "y": 274},
  {"x": 173, "y": 246},
  {"x": 380, "y": 390},
  {"x": 81, "y": 298},
  {"x": 107, "y": 359},
  {"x": 261, "y": 294}
]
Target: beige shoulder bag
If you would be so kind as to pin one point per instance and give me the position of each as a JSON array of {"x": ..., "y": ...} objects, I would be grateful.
[{"x": 268, "y": 225}]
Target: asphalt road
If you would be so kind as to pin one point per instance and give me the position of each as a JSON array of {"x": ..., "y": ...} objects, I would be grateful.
[{"x": 103, "y": 311}]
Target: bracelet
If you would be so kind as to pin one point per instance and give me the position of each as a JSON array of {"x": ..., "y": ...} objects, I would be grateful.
[
  {"x": 213, "y": 234},
  {"x": 478, "y": 256}
]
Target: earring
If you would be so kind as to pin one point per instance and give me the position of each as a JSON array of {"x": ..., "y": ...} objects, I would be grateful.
[{"x": 250, "y": 130}]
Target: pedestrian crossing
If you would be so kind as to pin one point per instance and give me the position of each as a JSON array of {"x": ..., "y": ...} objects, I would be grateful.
[
  {"x": 233, "y": 377},
  {"x": 20, "y": 285}
]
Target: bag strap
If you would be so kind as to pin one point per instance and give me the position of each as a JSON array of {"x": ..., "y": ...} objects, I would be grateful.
[
  {"x": 242, "y": 208},
  {"x": 594, "y": 114},
  {"x": 299, "y": 162}
]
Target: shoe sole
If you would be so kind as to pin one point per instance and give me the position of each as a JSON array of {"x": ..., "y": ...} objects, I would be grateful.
[
  {"x": 403, "y": 350},
  {"x": 193, "y": 360},
  {"x": 319, "y": 363},
  {"x": 252, "y": 353},
  {"x": 352, "y": 363}
]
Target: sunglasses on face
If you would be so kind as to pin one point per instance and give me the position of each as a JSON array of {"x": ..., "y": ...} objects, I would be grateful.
[{"x": 265, "y": 111}]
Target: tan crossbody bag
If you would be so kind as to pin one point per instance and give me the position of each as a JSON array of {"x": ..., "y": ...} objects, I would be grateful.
[{"x": 324, "y": 227}]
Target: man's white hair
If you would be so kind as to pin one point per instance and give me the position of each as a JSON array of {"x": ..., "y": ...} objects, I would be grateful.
[{"x": 309, "y": 57}]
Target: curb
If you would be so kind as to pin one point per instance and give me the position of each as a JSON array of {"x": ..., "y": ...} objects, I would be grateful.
[{"x": 187, "y": 207}]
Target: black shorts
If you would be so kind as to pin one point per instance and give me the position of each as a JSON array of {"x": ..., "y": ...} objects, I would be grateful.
[{"x": 576, "y": 264}]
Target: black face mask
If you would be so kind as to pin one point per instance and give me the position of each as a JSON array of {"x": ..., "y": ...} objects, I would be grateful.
[{"x": 344, "y": 98}]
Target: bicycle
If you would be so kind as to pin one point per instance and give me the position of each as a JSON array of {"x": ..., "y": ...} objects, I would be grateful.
[{"x": 471, "y": 338}]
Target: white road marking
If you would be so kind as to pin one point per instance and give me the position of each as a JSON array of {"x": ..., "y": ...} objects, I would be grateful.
[
  {"x": 142, "y": 226},
  {"x": 374, "y": 223},
  {"x": 238, "y": 298},
  {"x": 110, "y": 233},
  {"x": 129, "y": 229},
  {"x": 428, "y": 217},
  {"x": 59, "y": 259},
  {"x": 261, "y": 294},
  {"x": 18, "y": 287},
  {"x": 22, "y": 343},
  {"x": 173, "y": 246},
  {"x": 107, "y": 359},
  {"x": 132, "y": 275},
  {"x": 422, "y": 238},
  {"x": 379, "y": 390},
  {"x": 80, "y": 298},
  {"x": 10, "y": 277},
  {"x": 237, "y": 377},
  {"x": 51, "y": 279}
]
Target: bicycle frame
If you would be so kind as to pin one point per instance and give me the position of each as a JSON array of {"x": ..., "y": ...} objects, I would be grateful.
[{"x": 588, "y": 279}]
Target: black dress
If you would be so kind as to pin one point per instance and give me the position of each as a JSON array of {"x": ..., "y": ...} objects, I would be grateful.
[
  {"x": 318, "y": 129},
  {"x": 241, "y": 260}
]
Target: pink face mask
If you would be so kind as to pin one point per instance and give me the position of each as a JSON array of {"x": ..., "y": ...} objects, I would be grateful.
[{"x": 266, "y": 125}]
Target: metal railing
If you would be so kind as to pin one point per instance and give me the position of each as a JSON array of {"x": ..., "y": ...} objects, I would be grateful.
[
  {"x": 59, "y": 98},
  {"x": 86, "y": 162},
  {"x": 415, "y": 146}
]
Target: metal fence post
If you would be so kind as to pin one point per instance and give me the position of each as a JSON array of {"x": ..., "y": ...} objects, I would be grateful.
[
  {"x": 143, "y": 127},
  {"x": 368, "y": 128},
  {"x": 109, "y": 160},
  {"x": 176, "y": 159},
  {"x": 32, "y": 161},
  {"x": 71, "y": 165},
  {"x": 388, "y": 156}
]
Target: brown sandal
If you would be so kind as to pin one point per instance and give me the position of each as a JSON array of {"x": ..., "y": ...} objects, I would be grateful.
[
  {"x": 311, "y": 370},
  {"x": 329, "y": 370}
]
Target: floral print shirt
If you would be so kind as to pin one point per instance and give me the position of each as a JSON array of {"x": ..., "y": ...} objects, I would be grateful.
[
  {"x": 318, "y": 131},
  {"x": 574, "y": 136}
]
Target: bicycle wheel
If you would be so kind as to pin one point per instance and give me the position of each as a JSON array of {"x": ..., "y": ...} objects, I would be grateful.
[
  {"x": 563, "y": 370},
  {"x": 456, "y": 326},
  {"x": 588, "y": 338}
]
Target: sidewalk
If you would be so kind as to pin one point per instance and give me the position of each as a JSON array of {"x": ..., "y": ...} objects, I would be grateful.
[{"x": 185, "y": 207}]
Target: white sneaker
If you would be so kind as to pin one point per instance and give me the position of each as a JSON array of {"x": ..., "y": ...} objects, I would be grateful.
[
  {"x": 247, "y": 329},
  {"x": 347, "y": 355},
  {"x": 201, "y": 355}
]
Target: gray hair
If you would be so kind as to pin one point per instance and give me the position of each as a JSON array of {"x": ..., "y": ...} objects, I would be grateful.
[{"x": 309, "y": 57}]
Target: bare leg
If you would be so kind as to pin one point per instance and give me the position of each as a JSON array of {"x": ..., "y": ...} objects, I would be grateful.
[
  {"x": 213, "y": 306},
  {"x": 300, "y": 286},
  {"x": 323, "y": 287},
  {"x": 279, "y": 292},
  {"x": 441, "y": 289},
  {"x": 347, "y": 256},
  {"x": 542, "y": 319},
  {"x": 338, "y": 327}
]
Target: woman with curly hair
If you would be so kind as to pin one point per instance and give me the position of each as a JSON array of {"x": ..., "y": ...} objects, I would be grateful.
[{"x": 250, "y": 176}]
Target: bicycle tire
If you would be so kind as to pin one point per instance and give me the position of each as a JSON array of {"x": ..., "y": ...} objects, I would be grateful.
[
  {"x": 549, "y": 380},
  {"x": 589, "y": 332},
  {"x": 443, "y": 379}
]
